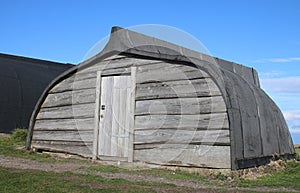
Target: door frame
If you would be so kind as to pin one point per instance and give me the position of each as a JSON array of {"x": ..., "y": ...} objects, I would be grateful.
[{"x": 131, "y": 115}]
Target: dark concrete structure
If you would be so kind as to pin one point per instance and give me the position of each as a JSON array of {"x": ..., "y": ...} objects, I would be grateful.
[{"x": 22, "y": 81}]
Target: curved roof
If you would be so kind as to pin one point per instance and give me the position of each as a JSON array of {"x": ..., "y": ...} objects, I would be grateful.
[
  {"x": 22, "y": 80},
  {"x": 257, "y": 126}
]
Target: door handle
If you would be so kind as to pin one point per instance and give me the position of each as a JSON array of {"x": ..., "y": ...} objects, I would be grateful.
[{"x": 102, "y": 107}]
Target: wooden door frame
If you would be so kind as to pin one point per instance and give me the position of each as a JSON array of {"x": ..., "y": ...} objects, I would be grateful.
[{"x": 131, "y": 115}]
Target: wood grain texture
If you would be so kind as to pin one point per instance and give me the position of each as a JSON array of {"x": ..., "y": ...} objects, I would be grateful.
[
  {"x": 83, "y": 135},
  {"x": 67, "y": 112},
  {"x": 118, "y": 63},
  {"x": 70, "y": 98},
  {"x": 201, "y": 121},
  {"x": 131, "y": 101},
  {"x": 105, "y": 131},
  {"x": 181, "y": 106},
  {"x": 114, "y": 131},
  {"x": 64, "y": 124},
  {"x": 115, "y": 118},
  {"x": 168, "y": 71},
  {"x": 78, "y": 148},
  {"x": 175, "y": 89},
  {"x": 187, "y": 155},
  {"x": 97, "y": 115},
  {"x": 182, "y": 136},
  {"x": 249, "y": 119},
  {"x": 71, "y": 84}
]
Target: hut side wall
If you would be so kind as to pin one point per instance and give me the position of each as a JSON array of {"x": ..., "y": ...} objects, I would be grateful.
[
  {"x": 180, "y": 117},
  {"x": 180, "y": 114}
]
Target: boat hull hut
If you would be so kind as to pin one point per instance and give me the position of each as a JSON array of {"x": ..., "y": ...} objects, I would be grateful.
[{"x": 144, "y": 99}]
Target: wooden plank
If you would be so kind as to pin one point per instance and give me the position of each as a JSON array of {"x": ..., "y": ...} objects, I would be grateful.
[
  {"x": 201, "y": 121},
  {"x": 168, "y": 71},
  {"x": 118, "y": 71},
  {"x": 236, "y": 133},
  {"x": 78, "y": 148},
  {"x": 268, "y": 129},
  {"x": 69, "y": 98},
  {"x": 64, "y": 124},
  {"x": 97, "y": 115},
  {"x": 112, "y": 158},
  {"x": 122, "y": 116},
  {"x": 177, "y": 89},
  {"x": 131, "y": 101},
  {"x": 127, "y": 116},
  {"x": 115, "y": 57},
  {"x": 106, "y": 116},
  {"x": 187, "y": 155},
  {"x": 177, "y": 106},
  {"x": 182, "y": 136},
  {"x": 285, "y": 141},
  {"x": 250, "y": 121},
  {"x": 67, "y": 112},
  {"x": 83, "y": 135},
  {"x": 115, "y": 116},
  {"x": 118, "y": 63},
  {"x": 71, "y": 84}
]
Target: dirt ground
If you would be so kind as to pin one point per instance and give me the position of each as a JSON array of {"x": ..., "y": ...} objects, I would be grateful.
[{"x": 82, "y": 168}]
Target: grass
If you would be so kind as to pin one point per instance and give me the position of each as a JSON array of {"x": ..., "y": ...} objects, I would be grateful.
[
  {"x": 162, "y": 173},
  {"x": 298, "y": 151},
  {"x": 12, "y": 146},
  {"x": 290, "y": 177},
  {"x": 13, "y": 180},
  {"x": 36, "y": 181}
]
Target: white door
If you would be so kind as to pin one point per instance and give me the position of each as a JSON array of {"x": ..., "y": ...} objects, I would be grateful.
[{"x": 114, "y": 110}]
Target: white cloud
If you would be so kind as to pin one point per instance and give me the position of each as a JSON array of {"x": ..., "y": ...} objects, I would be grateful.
[
  {"x": 292, "y": 115},
  {"x": 281, "y": 85},
  {"x": 276, "y": 60},
  {"x": 295, "y": 131},
  {"x": 271, "y": 74}
]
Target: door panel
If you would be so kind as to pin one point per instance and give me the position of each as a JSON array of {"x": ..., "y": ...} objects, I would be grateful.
[{"x": 114, "y": 116}]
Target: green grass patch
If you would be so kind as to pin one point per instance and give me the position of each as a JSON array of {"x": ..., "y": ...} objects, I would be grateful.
[
  {"x": 290, "y": 177},
  {"x": 19, "y": 135},
  {"x": 14, "y": 146},
  {"x": 37, "y": 181}
]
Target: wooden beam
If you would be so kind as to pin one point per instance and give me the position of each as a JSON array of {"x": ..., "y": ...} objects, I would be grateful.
[
  {"x": 83, "y": 135},
  {"x": 97, "y": 116},
  {"x": 132, "y": 117},
  {"x": 201, "y": 121},
  {"x": 186, "y": 155},
  {"x": 178, "y": 106},
  {"x": 64, "y": 124},
  {"x": 182, "y": 136},
  {"x": 72, "y": 84},
  {"x": 177, "y": 89},
  {"x": 70, "y": 98},
  {"x": 67, "y": 112},
  {"x": 166, "y": 72}
]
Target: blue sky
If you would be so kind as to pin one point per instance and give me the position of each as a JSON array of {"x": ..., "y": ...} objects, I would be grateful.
[{"x": 264, "y": 34}]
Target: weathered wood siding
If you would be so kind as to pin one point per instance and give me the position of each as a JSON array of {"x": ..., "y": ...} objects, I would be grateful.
[
  {"x": 180, "y": 116},
  {"x": 66, "y": 118}
]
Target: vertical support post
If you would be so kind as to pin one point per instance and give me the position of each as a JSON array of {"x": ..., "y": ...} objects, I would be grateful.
[
  {"x": 97, "y": 116},
  {"x": 131, "y": 115}
]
